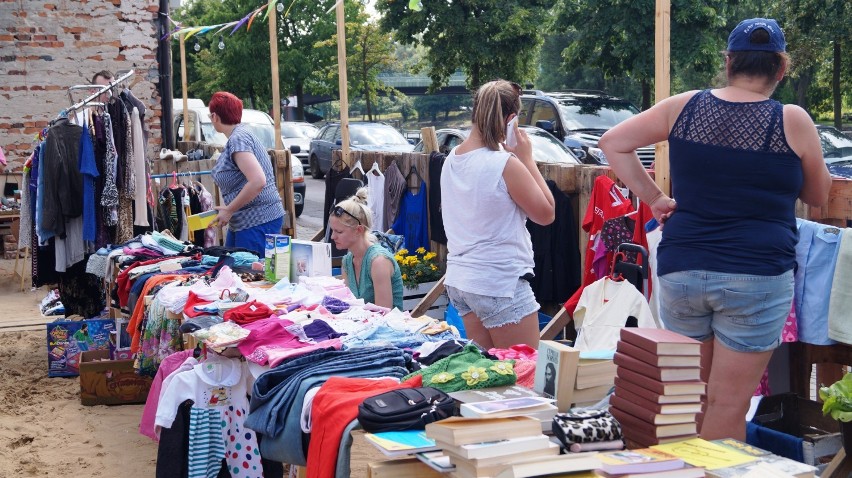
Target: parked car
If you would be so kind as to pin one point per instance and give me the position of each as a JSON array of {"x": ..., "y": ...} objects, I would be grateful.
[
  {"x": 300, "y": 134},
  {"x": 546, "y": 148},
  {"x": 261, "y": 124},
  {"x": 837, "y": 150},
  {"x": 363, "y": 136},
  {"x": 579, "y": 118}
]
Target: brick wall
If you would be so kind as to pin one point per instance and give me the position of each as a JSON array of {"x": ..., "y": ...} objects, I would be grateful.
[{"x": 48, "y": 45}]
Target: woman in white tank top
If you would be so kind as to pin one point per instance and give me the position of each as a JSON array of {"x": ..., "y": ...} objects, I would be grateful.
[{"x": 489, "y": 189}]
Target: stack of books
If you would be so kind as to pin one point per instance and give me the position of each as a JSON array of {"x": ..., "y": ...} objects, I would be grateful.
[
  {"x": 561, "y": 374},
  {"x": 595, "y": 378},
  {"x": 658, "y": 386},
  {"x": 521, "y": 449}
]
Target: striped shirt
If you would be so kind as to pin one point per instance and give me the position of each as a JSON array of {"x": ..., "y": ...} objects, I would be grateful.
[{"x": 267, "y": 205}]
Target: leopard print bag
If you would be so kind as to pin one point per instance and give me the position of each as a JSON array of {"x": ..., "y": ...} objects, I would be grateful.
[{"x": 585, "y": 426}]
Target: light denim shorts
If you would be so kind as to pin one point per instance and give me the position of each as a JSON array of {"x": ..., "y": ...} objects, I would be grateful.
[
  {"x": 745, "y": 312},
  {"x": 496, "y": 311}
]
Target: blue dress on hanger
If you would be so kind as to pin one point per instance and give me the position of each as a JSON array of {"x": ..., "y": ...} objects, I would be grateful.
[{"x": 412, "y": 219}]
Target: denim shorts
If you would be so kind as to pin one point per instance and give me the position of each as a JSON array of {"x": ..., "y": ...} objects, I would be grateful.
[
  {"x": 745, "y": 312},
  {"x": 494, "y": 312}
]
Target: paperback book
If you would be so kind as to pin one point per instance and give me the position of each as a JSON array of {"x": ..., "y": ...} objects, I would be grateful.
[{"x": 643, "y": 460}]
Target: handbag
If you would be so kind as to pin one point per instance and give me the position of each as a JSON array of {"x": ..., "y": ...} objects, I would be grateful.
[
  {"x": 404, "y": 409},
  {"x": 585, "y": 426}
]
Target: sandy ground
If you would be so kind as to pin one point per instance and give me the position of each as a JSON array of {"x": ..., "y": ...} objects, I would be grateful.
[{"x": 45, "y": 431}]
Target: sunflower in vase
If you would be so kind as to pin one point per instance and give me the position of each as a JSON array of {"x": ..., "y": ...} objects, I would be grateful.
[{"x": 417, "y": 268}]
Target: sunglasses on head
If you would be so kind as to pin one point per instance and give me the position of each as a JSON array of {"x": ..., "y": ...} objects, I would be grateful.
[{"x": 338, "y": 211}]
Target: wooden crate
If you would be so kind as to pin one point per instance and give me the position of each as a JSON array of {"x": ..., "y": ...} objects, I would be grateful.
[{"x": 412, "y": 297}]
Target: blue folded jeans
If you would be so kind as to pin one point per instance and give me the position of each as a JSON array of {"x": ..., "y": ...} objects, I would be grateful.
[{"x": 278, "y": 395}]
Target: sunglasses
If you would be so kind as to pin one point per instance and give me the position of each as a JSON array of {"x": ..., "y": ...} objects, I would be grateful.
[{"x": 339, "y": 211}]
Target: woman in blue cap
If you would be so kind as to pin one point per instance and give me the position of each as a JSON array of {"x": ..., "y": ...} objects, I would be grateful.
[{"x": 739, "y": 161}]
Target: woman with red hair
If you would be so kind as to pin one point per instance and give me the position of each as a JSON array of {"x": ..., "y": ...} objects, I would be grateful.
[{"x": 244, "y": 174}]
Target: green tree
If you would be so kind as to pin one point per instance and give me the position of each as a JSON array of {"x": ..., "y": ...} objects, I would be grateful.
[
  {"x": 243, "y": 66},
  {"x": 300, "y": 61},
  {"x": 369, "y": 51},
  {"x": 818, "y": 53},
  {"x": 617, "y": 37},
  {"x": 483, "y": 38}
]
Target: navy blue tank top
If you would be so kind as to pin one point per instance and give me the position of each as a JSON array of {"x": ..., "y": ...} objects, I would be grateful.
[{"x": 736, "y": 182}]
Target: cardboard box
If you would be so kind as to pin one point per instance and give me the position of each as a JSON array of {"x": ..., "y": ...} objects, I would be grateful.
[
  {"x": 110, "y": 382},
  {"x": 277, "y": 257},
  {"x": 67, "y": 339},
  {"x": 310, "y": 259},
  {"x": 268, "y": 255}
]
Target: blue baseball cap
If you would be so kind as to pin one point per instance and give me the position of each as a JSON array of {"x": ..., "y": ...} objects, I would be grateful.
[{"x": 740, "y": 37}]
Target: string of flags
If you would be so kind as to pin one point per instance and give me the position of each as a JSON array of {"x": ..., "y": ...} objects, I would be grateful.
[
  {"x": 248, "y": 19},
  {"x": 235, "y": 25}
]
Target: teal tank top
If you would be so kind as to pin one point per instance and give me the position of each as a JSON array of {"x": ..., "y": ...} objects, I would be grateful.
[{"x": 364, "y": 289}]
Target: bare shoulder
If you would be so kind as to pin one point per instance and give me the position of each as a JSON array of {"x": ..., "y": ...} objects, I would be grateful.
[{"x": 795, "y": 115}]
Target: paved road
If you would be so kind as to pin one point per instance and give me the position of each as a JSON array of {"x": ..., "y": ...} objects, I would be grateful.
[{"x": 311, "y": 219}]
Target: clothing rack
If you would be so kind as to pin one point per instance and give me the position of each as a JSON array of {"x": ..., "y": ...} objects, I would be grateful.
[
  {"x": 188, "y": 173},
  {"x": 101, "y": 91}
]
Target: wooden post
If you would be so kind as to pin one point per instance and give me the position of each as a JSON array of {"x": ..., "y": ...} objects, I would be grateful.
[
  {"x": 430, "y": 139},
  {"x": 343, "y": 83},
  {"x": 276, "y": 94},
  {"x": 183, "y": 87},
  {"x": 662, "y": 86}
]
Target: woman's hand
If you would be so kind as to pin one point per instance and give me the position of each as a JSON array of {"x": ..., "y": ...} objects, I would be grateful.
[
  {"x": 662, "y": 207},
  {"x": 223, "y": 217},
  {"x": 523, "y": 150}
]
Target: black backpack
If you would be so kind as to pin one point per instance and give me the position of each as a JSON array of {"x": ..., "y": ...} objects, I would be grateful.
[{"x": 404, "y": 409}]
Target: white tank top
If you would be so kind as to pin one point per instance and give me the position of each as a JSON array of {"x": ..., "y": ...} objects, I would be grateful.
[{"x": 488, "y": 244}]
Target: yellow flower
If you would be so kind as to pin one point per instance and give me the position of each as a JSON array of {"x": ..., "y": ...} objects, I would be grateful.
[
  {"x": 402, "y": 251},
  {"x": 442, "y": 377},
  {"x": 475, "y": 375},
  {"x": 421, "y": 250},
  {"x": 404, "y": 276},
  {"x": 433, "y": 267},
  {"x": 503, "y": 368},
  {"x": 429, "y": 256}
]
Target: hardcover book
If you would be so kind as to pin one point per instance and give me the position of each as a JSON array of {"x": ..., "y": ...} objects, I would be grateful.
[
  {"x": 662, "y": 374},
  {"x": 652, "y": 396},
  {"x": 662, "y": 388},
  {"x": 643, "y": 428},
  {"x": 651, "y": 358},
  {"x": 556, "y": 372},
  {"x": 650, "y": 416},
  {"x": 661, "y": 408},
  {"x": 660, "y": 341}
]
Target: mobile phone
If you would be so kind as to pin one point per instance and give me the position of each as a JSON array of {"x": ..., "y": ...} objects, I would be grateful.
[{"x": 511, "y": 139}]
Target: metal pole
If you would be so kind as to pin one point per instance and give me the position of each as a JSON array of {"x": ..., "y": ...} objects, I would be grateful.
[{"x": 183, "y": 87}]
